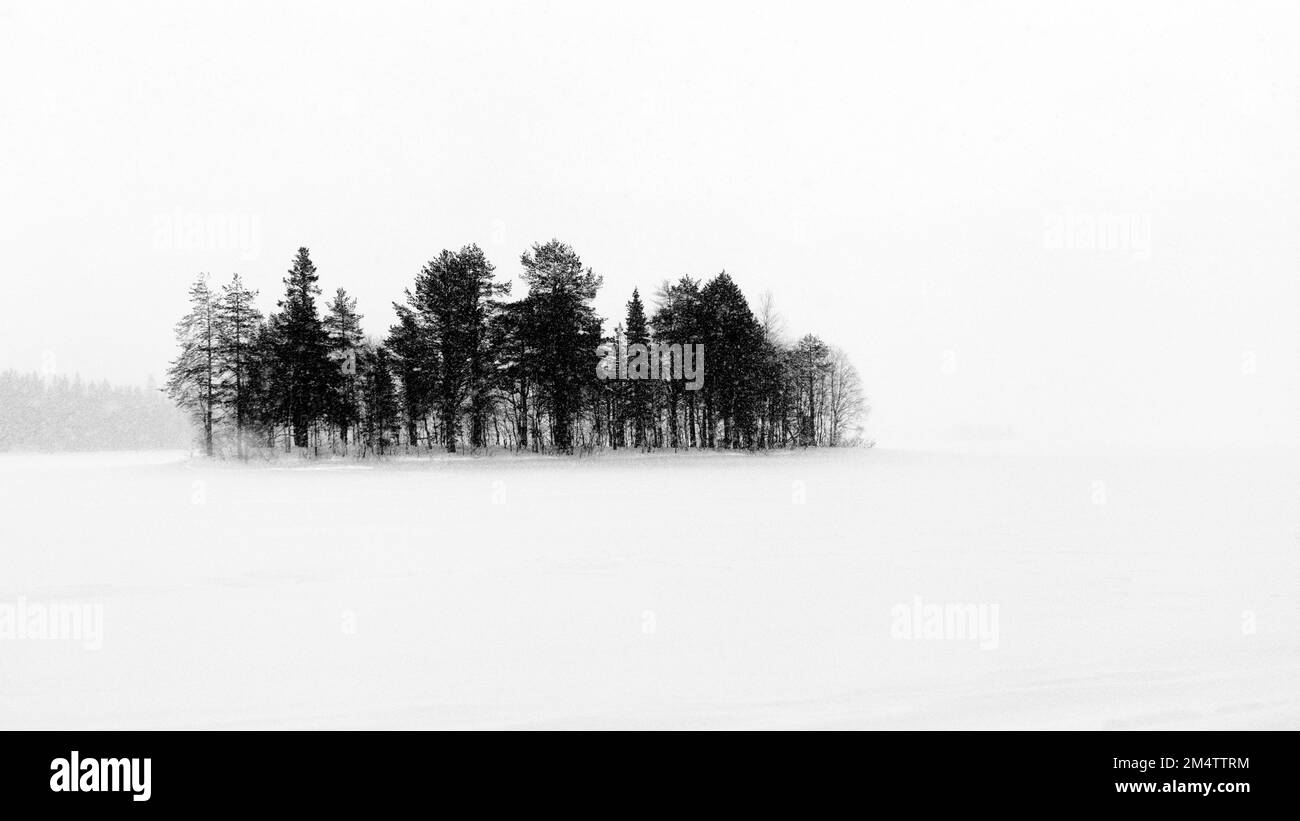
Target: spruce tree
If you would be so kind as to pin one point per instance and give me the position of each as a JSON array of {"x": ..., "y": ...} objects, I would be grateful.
[
  {"x": 636, "y": 409},
  {"x": 732, "y": 340}
]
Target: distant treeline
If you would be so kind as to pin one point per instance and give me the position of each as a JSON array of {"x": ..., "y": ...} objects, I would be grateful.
[
  {"x": 39, "y": 413},
  {"x": 466, "y": 367}
]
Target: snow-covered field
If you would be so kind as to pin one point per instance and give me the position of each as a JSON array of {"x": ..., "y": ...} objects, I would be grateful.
[{"x": 1118, "y": 589}]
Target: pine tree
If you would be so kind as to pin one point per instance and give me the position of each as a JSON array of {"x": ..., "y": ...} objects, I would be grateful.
[
  {"x": 264, "y": 409},
  {"x": 415, "y": 362},
  {"x": 456, "y": 296},
  {"x": 301, "y": 379},
  {"x": 193, "y": 375},
  {"x": 345, "y": 339},
  {"x": 562, "y": 332},
  {"x": 238, "y": 323},
  {"x": 677, "y": 321},
  {"x": 615, "y": 392},
  {"x": 511, "y": 334},
  {"x": 379, "y": 417}
]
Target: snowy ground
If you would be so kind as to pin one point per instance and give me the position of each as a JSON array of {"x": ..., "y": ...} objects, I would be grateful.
[{"x": 1133, "y": 589}]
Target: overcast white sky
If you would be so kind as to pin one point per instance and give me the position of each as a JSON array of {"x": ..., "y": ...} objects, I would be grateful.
[{"x": 892, "y": 172}]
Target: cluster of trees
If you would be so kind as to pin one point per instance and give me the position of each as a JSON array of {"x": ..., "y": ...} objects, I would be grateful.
[
  {"x": 465, "y": 366},
  {"x": 59, "y": 413}
]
